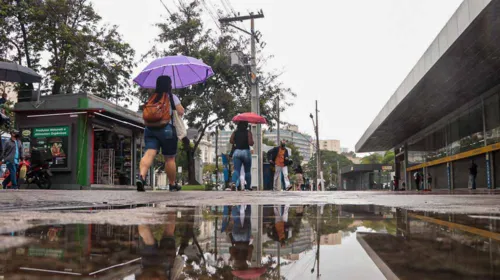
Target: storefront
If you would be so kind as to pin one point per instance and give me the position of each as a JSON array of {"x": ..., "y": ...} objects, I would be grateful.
[{"x": 92, "y": 141}]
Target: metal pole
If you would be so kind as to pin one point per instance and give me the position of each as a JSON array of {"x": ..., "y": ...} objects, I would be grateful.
[
  {"x": 338, "y": 176},
  {"x": 278, "y": 126},
  {"x": 255, "y": 104},
  {"x": 216, "y": 155},
  {"x": 318, "y": 225},
  {"x": 318, "y": 159}
]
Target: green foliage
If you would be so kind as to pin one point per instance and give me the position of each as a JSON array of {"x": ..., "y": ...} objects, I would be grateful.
[
  {"x": 387, "y": 158},
  {"x": 372, "y": 159},
  {"x": 84, "y": 54},
  {"x": 329, "y": 166},
  {"x": 210, "y": 168}
]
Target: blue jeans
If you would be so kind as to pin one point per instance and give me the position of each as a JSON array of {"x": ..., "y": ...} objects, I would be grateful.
[
  {"x": 162, "y": 137},
  {"x": 242, "y": 157},
  {"x": 12, "y": 176}
]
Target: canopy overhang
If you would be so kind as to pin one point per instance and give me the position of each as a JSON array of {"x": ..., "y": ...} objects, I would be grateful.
[{"x": 462, "y": 63}]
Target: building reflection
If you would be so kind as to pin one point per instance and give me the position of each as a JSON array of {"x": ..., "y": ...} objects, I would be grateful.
[{"x": 263, "y": 242}]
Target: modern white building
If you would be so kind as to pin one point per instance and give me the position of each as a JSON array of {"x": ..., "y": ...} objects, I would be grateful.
[{"x": 330, "y": 145}]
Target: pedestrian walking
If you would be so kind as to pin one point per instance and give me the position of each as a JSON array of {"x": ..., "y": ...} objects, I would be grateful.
[
  {"x": 472, "y": 175},
  {"x": 11, "y": 156},
  {"x": 299, "y": 178},
  {"x": 158, "y": 114},
  {"x": 242, "y": 139},
  {"x": 396, "y": 183},
  {"x": 280, "y": 158},
  {"x": 418, "y": 179},
  {"x": 429, "y": 181}
]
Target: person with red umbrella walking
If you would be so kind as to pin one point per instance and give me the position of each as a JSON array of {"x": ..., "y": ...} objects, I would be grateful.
[{"x": 242, "y": 139}]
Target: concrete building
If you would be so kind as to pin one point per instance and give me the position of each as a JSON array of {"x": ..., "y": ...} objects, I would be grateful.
[
  {"x": 330, "y": 145},
  {"x": 446, "y": 113},
  {"x": 207, "y": 149},
  {"x": 223, "y": 141},
  {"x": 291, "y": 134},
  {"x": 344, "y": 150}
]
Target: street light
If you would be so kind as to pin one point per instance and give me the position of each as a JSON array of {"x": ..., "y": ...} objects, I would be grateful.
[{"x": 318, "y": 160}]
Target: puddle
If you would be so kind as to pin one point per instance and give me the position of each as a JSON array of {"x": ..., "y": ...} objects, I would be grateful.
[{"x": 258, "y": 242}]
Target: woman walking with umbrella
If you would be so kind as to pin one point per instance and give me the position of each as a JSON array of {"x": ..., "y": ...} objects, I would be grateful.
[
  {"x": 242, "y": 139},
  {"x": 163, "y": 110}
]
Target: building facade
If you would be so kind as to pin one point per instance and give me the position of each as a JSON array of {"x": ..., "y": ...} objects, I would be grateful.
[
  {"x": 330, "y": 145},
  {"x": 444, "y": 118}
]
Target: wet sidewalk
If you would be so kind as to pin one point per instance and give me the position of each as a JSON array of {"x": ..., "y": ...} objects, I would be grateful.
[{"x": 257, "y": 241}]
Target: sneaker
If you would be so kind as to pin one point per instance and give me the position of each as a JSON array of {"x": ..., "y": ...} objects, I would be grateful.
[
  {"x": 140, "y": 183},
  {"x": 174, "y": 188}
]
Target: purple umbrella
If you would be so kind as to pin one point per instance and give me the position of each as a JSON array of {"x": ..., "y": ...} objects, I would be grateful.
[{"x": 183, "y": 70}]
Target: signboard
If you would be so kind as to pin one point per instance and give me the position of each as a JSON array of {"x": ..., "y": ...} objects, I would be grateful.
[
  {"x": 54, "y": 138},
  {"x": 57, "y": 131},
  {"x": 45, "y": 253},
  {"x": 387, "y": 168}
]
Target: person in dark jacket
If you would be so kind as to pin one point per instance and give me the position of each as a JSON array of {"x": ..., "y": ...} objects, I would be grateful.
[
  {"x": 11, "y": 156},
  {"x": 279, "y": 157}
]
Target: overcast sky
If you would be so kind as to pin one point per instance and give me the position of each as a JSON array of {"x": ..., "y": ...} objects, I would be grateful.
[{"x": 349, "y": 55}]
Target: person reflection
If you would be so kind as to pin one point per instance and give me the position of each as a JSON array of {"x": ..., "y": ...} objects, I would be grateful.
[
  {"x": 238, "y": 227},
  {"x": 158, "y": 250}
]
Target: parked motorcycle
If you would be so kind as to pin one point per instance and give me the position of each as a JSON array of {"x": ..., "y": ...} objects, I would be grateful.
[{"x": 39, "y": 168}]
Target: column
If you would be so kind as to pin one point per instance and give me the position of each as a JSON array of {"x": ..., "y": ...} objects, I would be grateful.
[
  {"x": 405, "y": 166},
  {"x": 489, "y": 177},
  {"x": 449, "y": 167}
]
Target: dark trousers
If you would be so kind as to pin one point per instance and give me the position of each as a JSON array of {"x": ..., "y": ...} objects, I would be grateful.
[{"x": 12, "y": 176}]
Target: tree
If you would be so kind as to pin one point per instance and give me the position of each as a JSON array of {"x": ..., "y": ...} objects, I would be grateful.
[
  {"x": 372, "y": 159},
  {"x": 389, "y": 158},
  {"x": 329, "y": 166},
  {"x": 221, "y": 97},
  {"x": 375, "y": 158},
  {"x": 84, "y": 55}
]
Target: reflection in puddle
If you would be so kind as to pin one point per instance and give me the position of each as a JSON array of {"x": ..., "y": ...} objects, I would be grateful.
[{"x": 262, "y": 242}]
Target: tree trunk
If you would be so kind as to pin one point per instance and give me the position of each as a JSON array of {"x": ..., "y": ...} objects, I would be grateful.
[
  {"x": 56, "y": 88},
  {"x": 190, "y": 158}
]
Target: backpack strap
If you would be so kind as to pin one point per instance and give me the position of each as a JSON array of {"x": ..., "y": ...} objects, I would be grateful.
[{"x": 172, "y": 106}]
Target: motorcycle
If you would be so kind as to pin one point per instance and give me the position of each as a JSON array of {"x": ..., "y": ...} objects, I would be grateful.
[{"x": 38, "y": 171}]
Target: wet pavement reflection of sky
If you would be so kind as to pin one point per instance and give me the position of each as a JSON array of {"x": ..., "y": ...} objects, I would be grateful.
[{"x": 260, "y": 242}]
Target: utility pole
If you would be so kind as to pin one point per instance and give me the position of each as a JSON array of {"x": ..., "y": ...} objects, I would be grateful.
[
  {"x": 278, "y": 126},
  {"x": 318, "y": 159},
  {"x": 255, "y": 98},
  {"x": 216, "y": 156},
  {"x": 338, "y": 175}
]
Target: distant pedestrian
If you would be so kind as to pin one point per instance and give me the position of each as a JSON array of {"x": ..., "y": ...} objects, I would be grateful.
[
  {"x": 472, "y": 175},
  {"x": 395, "y": 183},
  {"x": 299, "y": 178},
  {"x": 280, "y": 158},
  {"x": 242, "y": 139},
  {"x": 429, "y": 181},
  {"x": 418, "y": 179},
  {"x": 160, "y": 132},
  {"x": 11, "y": 156}
]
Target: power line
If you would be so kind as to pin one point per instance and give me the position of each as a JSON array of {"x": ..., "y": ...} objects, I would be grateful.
[{"x": 166, "y": 8}]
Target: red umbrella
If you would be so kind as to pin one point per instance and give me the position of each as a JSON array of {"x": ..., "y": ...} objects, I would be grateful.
[
  {"x": 250, "y": 117},
  {"x": 251, "y": 273}
]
